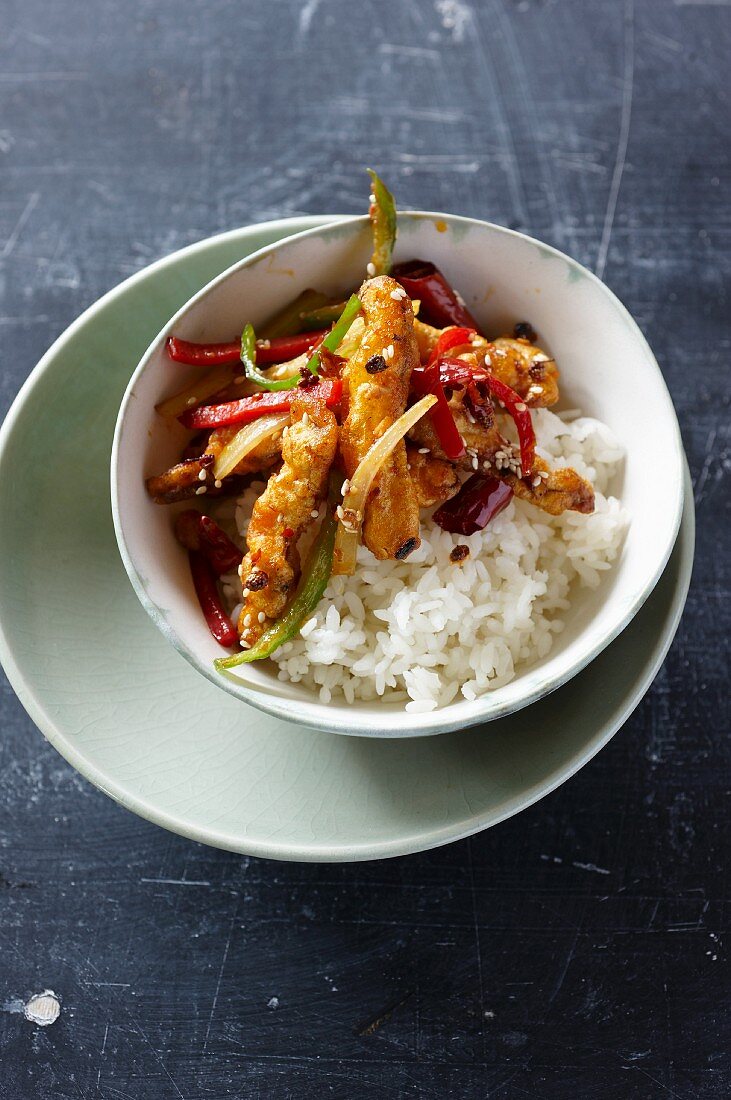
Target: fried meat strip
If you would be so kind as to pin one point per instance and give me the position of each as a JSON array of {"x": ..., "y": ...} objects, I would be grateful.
[
  {"x": 281, "y": 514},
  {"x": 376, "y": 388},
  {"x": 189, "y": 478},
  {"x": 435, "y": 480},
  {"x": 559, "y": 491}
]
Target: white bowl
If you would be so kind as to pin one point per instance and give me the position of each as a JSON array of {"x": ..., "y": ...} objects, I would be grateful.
[{"x": 607, "y": 369}]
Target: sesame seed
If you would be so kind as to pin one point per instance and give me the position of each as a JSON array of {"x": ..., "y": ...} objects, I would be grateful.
[
  {"x": 396, "y": 295},
  {"x": 346, "y": 487},
  {"x": 540, "y": 358},
  {"x": 536, "y": 481},
  {"x": 192, "y": 400},
  {"x": 261, "y": 616},
  {"x": 264, "y": 343},
  {"x": 306, "y": 419},
  {"x": 201, "y": 489},
  {"x": 247, "y": 591},
  {"x": 314, "y": 513},
  {"x": 500, "y": 352},
  {"x": 218, "y": 483},
  {"x": 391, "y": 352},
  {"x": 371, "y": 197},
  {"x": 202, "y": 475},
  {"x": 339, "y": 512},
  {"x": 488, "y": 361},
  {"x": 371, "y": 269},
  {"x": 423, "y": 450},
  {"x": 280, "y": 517},
  {"x": 520, "y": 406},
  {"x": 475, "y": 462},
  {"x": 247, "y": 620}
]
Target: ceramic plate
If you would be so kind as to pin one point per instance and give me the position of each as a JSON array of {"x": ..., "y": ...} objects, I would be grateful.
[{"x": 126, "y": 710}]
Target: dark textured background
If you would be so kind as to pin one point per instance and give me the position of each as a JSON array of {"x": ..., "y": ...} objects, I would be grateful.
[{"x": 577, "y": 950}]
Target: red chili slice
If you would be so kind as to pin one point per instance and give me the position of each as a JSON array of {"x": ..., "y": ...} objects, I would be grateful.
[
  {"x": 450, "y": 338},
  {"x": 520, "y": 413},
  {"x": 426, "y": 380},
  {"x": 206, "y": 589},
  {"x": 479, "y": 500},
  {"x": 440, "y": 305}
]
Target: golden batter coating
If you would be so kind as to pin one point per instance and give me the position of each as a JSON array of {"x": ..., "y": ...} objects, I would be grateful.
[
  {"x": 282, "y": 513},
  {"x": 435, "y": 480},
  {"x": 376, "y": 386},
  {"x": 189, "y": 478}
]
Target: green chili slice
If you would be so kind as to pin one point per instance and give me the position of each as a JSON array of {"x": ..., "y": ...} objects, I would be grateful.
[
  {"x": 252, "y": 372},
  {"x": 382, "y": 212},
  {"x": 315, "y": 576}
]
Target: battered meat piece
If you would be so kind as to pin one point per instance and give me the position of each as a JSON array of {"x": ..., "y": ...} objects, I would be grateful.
[
  {"x": 519, "y": 364},
  {"x": 563, "y": 490},
  {"x": 376, "y": 389},
  {"x": 435, "y": 480},
  {"x": 281, "y": 514},
  {"x": 525, "y": 368},
  {"x": 189, "y": 478}
]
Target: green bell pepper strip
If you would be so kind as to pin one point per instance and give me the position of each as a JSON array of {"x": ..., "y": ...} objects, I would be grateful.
[
  {"x": 252, "y": 372},
  {"x": 314, "y": 580},
  {"x": 382, "y": 213},
  {"x": 334, "y": 338}
]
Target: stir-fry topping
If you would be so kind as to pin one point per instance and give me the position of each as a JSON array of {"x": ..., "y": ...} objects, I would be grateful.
[{"x": 395, "y": 412}]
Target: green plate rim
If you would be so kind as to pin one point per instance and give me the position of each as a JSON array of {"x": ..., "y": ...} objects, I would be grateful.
[{"x": 402, "y": 845}]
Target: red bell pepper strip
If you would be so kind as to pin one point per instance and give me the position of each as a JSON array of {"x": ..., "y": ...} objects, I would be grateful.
[
  {"x": 206, "y": 589},
  {"x": 450, "y": 338},
  {"x": 426, "y": 380},
  {"x": 197, "y": 532},
  {"x": 440, "y": 305},
  {"x": 478, "y": 501},
  {"x": 246, "y": 409},
  {"x": 278, "y": 350}
]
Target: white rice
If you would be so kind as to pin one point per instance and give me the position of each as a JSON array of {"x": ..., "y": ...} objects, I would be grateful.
[{"x": 426, "y": 630}]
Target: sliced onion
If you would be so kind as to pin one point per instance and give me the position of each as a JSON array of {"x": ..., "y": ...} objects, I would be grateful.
[
  {"x": 246, "y": 440},
  {"x": 353, "y": 506}
]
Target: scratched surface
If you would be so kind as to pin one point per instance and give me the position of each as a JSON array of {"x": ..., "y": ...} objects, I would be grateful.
[{"x": 577, "y": 950}]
